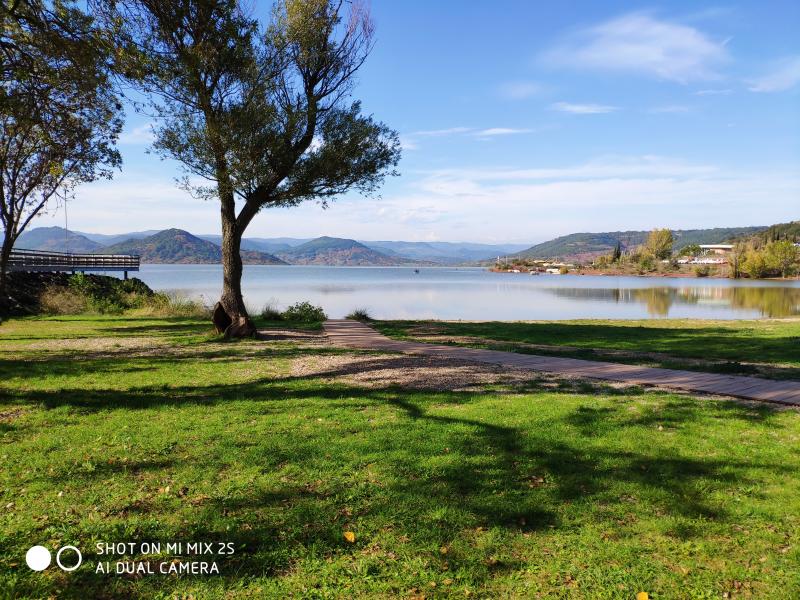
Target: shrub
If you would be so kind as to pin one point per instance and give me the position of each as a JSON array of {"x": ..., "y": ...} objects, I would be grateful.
[
  {"x": 56, "y": 300},
  {"x": 304, "y": 312},
  {"x": 647, "y": 263},
  {"x": 171, "y": 304},
  {"x": 270, "y": 312},
  {"x": 563, "y": 270},
  {"x": 359, "y": 314},
  {"x": 702, "y": 271}
]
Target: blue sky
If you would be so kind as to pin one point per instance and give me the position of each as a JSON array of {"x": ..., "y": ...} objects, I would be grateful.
[{"x": 521, "y": 121}]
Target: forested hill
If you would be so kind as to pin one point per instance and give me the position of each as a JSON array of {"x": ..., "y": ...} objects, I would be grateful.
[
  {"x": 178, "y": 246},
  {"x": 577, "y": 246},
  {"x": 339, "y": 252}
]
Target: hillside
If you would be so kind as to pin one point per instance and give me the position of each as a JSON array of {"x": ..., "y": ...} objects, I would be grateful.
[
  {"x": 450, "y": 253},
  {"x": 782, "y": 231},
  {"x": 270, "y": 246},
  {"x": 178, "y": 246},
  {"x": 54, "y": 239},
  {"x": 582, "y": 246},
  {"x": 338, "y": 252}
]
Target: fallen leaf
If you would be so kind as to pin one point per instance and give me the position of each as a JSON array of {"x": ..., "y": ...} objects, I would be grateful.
[
  {"x": 642, "y": 596},
  {"x": 350, "y": 536}
]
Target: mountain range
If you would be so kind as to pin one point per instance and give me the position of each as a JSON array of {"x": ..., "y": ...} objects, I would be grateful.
[{"x": 179, "y": 246}]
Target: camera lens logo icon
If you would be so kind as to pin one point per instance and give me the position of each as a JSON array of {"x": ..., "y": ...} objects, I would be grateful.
[{"x": 39, "y": 558}]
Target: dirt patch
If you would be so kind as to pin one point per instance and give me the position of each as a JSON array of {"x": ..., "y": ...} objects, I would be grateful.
[
  {"x": 8, "y": 416},
  {"x": 314, "y": 338},
  {"x": 418, "y": 372}
]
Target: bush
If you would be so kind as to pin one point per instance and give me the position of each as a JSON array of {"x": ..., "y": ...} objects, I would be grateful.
[
  {"x": 173, "y": 305},
  {"x": 56, "y": 300},
  {"x": 702, "y": 271},
  {"x": 359, "y": 314},
  {"x": 304, "y": 312},
  {"x": 270, "y": 312},
  {"x": 563, "y": 270},
  {"x": 647, "y": 263}
]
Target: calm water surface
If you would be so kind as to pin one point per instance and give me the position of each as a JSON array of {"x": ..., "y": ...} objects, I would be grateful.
[{"x": 474, "y": 293}]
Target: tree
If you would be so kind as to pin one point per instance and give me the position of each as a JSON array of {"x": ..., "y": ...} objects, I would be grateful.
[
  {"x": 59, "y": 114},
  {"x": 616, "y": 254},
  {"x": 260, "y": 114},
  {"x": 659, "y": 243},
  {"x": 690, "y": 250},
  {"x": 782, "y": 256}
]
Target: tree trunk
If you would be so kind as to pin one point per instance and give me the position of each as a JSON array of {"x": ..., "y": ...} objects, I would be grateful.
[
  {"x": 5, "y": 257},
  {"x": 237, "y": 323}
]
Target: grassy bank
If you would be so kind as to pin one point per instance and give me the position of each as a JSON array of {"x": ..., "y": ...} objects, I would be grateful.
[
  {"x": 766, "y": 348},
  {"x": 123, "y": 429}
]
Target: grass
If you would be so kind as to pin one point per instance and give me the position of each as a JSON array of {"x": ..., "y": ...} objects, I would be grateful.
[
  {"x": 142, "y": 429},
  {"x": 768, "y": 348}
]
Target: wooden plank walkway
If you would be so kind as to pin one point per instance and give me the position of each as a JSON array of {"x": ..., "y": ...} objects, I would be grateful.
[{"x": 353, "y": 334}]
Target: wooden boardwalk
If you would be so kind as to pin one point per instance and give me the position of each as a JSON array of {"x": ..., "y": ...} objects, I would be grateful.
[{"x": 353, "y": 334}]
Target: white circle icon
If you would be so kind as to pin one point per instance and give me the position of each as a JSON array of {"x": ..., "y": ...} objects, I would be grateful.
[
  {"x": 38, "y": 558},
  {"x": 76, "y": 565}
]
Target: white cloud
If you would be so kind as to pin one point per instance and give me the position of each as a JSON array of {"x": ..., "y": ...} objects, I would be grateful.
[
  {"x": 441, "y": 132},
  {"x": 717, "y": 92},
  {"x": 143, "y": 134},
  {"x": 408, "y": 144},
  {"x": 640, "y": 43},
  {"x": 495, "y": 131},
  {"x": 583, "y": 109},
  {"x": 784, "y": 76},
  {"x": 607, "y": 193},
  {"x": 520, "y": 90}
]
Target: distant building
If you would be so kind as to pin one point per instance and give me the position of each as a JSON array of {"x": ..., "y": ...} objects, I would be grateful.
[{"x": 717, "y": 248}]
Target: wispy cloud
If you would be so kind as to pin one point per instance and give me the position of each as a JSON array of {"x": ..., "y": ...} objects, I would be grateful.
[
  {"x": 583, "y": 109},
  {"x": 411, "y": 140},
  {"x": 441, "y": 132},
  {"x": 520, "y": 90},
  {"x": 640, "y": 43},
  {"x": 495, "y": 131},
  {"x": 408, "y": 144},
  {"x": 713, "y": 92},
  {"x": 143, "y": 134},
  {"x": 784, "y": 75}
]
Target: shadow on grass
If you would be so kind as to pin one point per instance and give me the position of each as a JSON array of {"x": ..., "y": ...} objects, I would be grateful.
[
  {"x": 736, "y": 344},
  {"x": 513, "y": 478}
]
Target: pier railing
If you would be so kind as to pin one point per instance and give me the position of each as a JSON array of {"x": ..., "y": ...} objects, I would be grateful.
[{"x": 38, "y": 260}]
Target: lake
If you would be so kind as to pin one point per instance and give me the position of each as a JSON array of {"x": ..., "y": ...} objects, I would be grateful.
[{"x": 477, "y": 294}]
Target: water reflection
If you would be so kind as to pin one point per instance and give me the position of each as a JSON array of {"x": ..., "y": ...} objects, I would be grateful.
[{"x": 768, "y": 301}]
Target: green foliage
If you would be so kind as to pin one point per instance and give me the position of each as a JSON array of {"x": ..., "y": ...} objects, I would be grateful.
[
  {"x": 702, "y": 270},
  {"x": 304, "y": 312},
  {"x": 659, "y": 243},
  {"x": 782, "y": 256},
  {"x": 59, "y": 113},
  {"x": 359, "y": 314},
  {"x": 617, "y": 253},
  {"x": 690, "y": 250},
  {"x": 270, "y": 312},
  {"x": 646, "y": 262},
  {"x": 779, "y": 258}
]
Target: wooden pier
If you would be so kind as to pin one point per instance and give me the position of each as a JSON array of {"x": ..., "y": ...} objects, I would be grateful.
[{"x": 38, "y": 260}]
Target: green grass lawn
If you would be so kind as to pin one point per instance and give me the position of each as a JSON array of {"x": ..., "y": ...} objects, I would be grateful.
[
  {"x": 768, "y": 347},
  {"x": 118, "y": 429}
]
